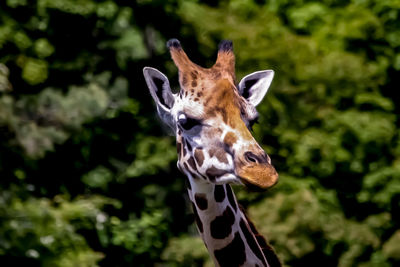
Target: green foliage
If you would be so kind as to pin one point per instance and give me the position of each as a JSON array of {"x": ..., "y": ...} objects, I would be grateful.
[
  {"x": 60, "y": 114},
  {"x": 98, "y": 178},
  {"x": 152, "y": 155},
  {"x": 186, "y": 251},
  {"x": 45, "y": 229},
  {"x": 34, "y": 71},
  {"x": 331, "y": 113},
  {"x": 381, "y": 187},
  {"x": 293, "y": 221},
  {"x": 4, "y": 82},
  {"x": 140, "y": 236},
  {"x": 88, "y": 177}
]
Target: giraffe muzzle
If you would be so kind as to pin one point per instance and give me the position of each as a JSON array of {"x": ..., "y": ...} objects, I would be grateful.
[{"x": 258, "y": 175}]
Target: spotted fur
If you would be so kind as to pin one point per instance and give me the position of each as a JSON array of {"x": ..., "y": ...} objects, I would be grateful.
[
  {"x": 212, "y": 117},
  {"x": 219, "y": 193},
  {"x": 221, "y": 226},
  {"x": 233, "y": 254}
]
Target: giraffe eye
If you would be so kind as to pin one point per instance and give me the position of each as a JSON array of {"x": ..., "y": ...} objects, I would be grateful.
[{"x": 187, "y": 123}]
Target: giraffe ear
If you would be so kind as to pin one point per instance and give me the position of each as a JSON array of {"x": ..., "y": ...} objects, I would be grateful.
[
  {"x": 161, "y": 92},
  {"x": 254, "y": 86}
]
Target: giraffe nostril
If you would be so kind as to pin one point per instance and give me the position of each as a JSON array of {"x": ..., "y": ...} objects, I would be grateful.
[
  {"x": 250, "y": 157},
  {"x": 253, "y": 158}
]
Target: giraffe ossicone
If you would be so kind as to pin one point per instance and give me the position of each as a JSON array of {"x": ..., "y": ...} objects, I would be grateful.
[{"x": 212, "y": 119}]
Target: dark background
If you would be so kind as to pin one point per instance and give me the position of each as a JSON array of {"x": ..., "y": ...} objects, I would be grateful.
[{"x": 87, "y": 171}]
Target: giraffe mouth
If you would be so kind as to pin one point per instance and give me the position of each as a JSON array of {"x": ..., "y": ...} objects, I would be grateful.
[
  {"x": 258, "y": 177},
  {"x": 255, "y": 188}
]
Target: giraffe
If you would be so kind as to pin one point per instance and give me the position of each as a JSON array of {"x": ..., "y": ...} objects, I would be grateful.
[{"x": 212, "y": 119}]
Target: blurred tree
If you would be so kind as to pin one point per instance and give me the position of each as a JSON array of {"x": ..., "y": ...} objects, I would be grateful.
[
  {"x": 89, "y": 178},
  {"x": 75, "y": 136},
  {"x": 331, "y": 120}
]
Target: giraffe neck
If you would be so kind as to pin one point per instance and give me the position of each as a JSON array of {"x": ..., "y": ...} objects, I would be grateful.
[{"x": 229, "y": 236}]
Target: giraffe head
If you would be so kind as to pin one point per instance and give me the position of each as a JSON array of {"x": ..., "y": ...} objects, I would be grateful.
[{"x": 212, "y": 118}]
